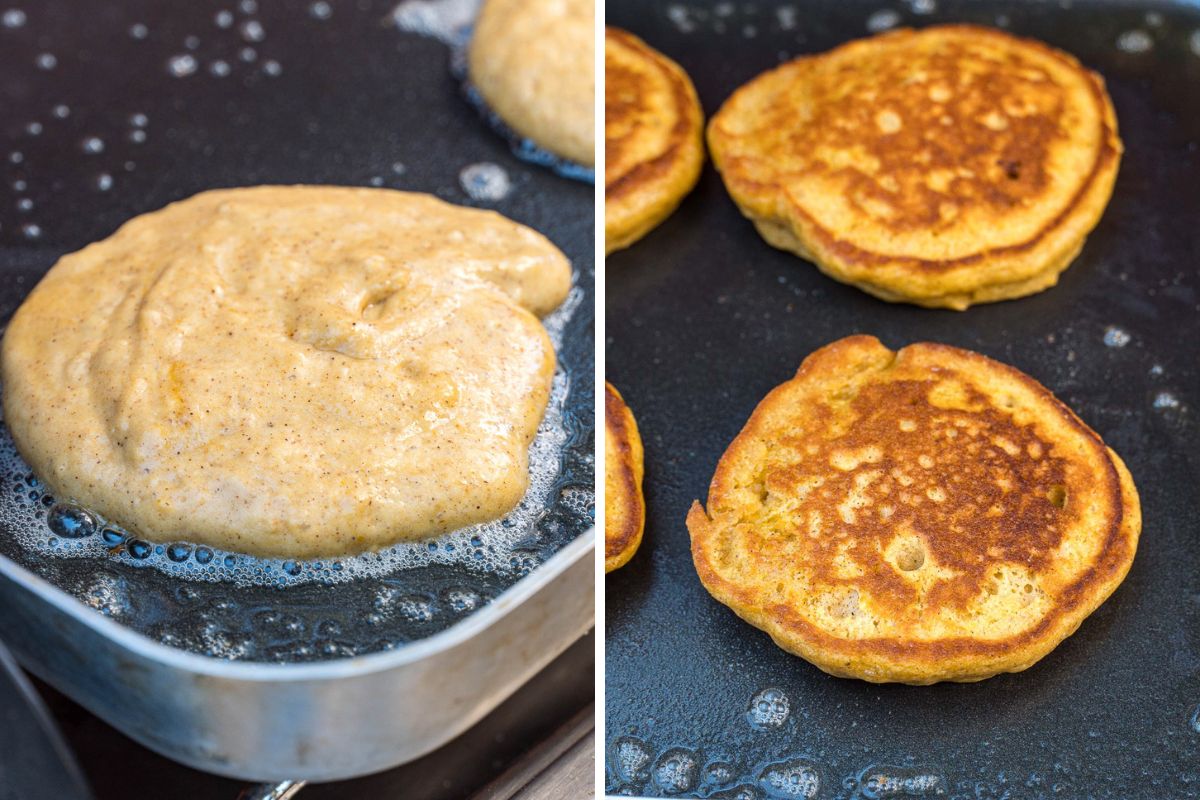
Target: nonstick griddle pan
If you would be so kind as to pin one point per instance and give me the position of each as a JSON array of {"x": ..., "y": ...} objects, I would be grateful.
[
  {"x": 317, "y": 670},
  {"x": 703, "y": 319}
]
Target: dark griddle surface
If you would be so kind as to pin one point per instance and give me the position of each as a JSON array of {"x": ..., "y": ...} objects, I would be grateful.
[
  {"x": 703, "y": 319},
  {"x": 348, "y": 99}
]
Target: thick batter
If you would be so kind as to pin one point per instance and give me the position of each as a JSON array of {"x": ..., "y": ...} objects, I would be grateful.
[{"x": 289, "y": 371}]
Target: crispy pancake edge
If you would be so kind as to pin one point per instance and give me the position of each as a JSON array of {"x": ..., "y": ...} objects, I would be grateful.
[
  {"x": 960, "y": 659},
  {"x": 622, "y": 541},
  {"x": 998, "y": 274},
  {"x": 641, "y": 198}
]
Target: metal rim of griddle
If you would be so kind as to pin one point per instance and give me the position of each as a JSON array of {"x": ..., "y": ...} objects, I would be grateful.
[{"x": 332, "y": 669}]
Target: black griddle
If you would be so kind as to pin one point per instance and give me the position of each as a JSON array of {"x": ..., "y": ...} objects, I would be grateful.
[
  {"x": 703, "y": 318},
  {"x": 272, "y": 92}
]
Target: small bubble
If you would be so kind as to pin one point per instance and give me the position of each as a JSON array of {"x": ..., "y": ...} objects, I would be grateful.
[
  {"x": 376, "y": 181},
  {"x": 179, "y": 552},
  {"x": 631, "y": 760},
  {"x": 399, "y": 168},
  {"x": 1166, "y": 400},
  {"x": 230, "y": 561},
  {"x": 1115, "y": 337},
  {"x": 1194, "y": 42},
  {"x": 1154, "y": 19},
  {"x": 112, "y": 537},
  {"x": 1135, "y": 41},
  {"x": 33, "y": 128},
  {"x": 70, "y": 522},
  {"x": 790, "y": 779},
  {"x": 13, "y": 18},
  {"x": 191, "y": 42},
  {"x": 1156, "y": 370},
  {"x": 138, "y": 549},
  {"x": 252, "y": 31},
  {"x": 16, "y": 157},
  {"x": 31, "y": 231},
  {"x": 139, "y": 120},
  {"x": 676, "y": 771},
  {"x": 248, "y": 6},
  {"x": 485, "y": 181},
  {"x": 924, "y": 7},
  {"x": 223, "y": 19},
  {"x": 883, "y": 20},
  {"x": 137, "y": 136},
  {"x": 46, "y": 61},
  {"x": 272, "y": 68},
  {"x": 61, "y": 111},
  {"x": 219, "y": 68},
  {"x": 320, "y": 10},
  {"x": 203, "y": 555},
  {"x": 291, "y": 568},
  {"x": 248, "y": 54},
  {"x": 139, "y": 31},
  {"x": 19, "y": 185},
  {"x": 92, "y": 145},
  {"x": 768, "y": 709},
  {"x": 181, "y": 65},
  {"x": 24, "y": 205}
]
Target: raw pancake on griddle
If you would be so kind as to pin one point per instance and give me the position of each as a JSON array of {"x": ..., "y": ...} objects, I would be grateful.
[
  {"x": 915, "y": 516},
  {"x": 533, "y": 62}
]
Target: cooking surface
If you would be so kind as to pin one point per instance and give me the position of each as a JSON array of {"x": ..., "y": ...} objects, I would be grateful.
[
  {"x": 704, "y": 318},
  {"x": 109, "y": 112}
]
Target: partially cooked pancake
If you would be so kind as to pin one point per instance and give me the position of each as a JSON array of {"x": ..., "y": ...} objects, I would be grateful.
[
  {"x": 653, "y": 138},
  {"x": 917, "y": 516},
  {"x": 533, "y": 62},
  {"x": 943, "y": 167},
  {"x": 624, "y": 506},
  {"x": 290, "y": 371}
]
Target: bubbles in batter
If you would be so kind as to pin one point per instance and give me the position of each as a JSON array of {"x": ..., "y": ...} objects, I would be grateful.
[
  {"x": 1116, "y": 337},
  {"x": 444, "y": 20},
  {"x": 509, "y": 544}
]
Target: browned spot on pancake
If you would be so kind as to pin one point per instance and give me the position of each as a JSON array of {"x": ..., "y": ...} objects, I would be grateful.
[{"x": 961, "y": 481}]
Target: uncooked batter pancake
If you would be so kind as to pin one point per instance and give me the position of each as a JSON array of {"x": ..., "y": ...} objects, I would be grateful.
[
  {"x": 915, "y": 516},
  {"x": 653, "y": 138},
  {"x": 289, "y": 371},
  {"x": 624, "y": 504},
  {"x": 944, "y": 167},
  {"x": 533, "y": 61}
]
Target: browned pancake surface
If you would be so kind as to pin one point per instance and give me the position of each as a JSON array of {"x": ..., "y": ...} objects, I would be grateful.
[
  {"x": 946, "y": 166},
  {"x": 653, "y": 130},
  {"x": 916, "y": 516},
  {"x": 624, "y": 506}
]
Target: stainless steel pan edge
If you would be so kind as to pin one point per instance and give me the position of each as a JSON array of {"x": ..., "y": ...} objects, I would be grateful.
[{"x": 317, "y": 721}]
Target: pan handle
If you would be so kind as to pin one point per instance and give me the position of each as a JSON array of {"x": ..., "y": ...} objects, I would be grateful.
[{"x": 284, "y": 790}]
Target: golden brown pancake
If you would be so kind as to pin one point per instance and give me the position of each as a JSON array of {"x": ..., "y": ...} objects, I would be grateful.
[
  {"x": 943, "y": 167},
  {"x": 290, "y": 371},
  {"x": 653, "y": 138},
  {"x": 915, "y": 516},
  {"x": 533, "y": 62},
  {"x": 624, "y": 506}
]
